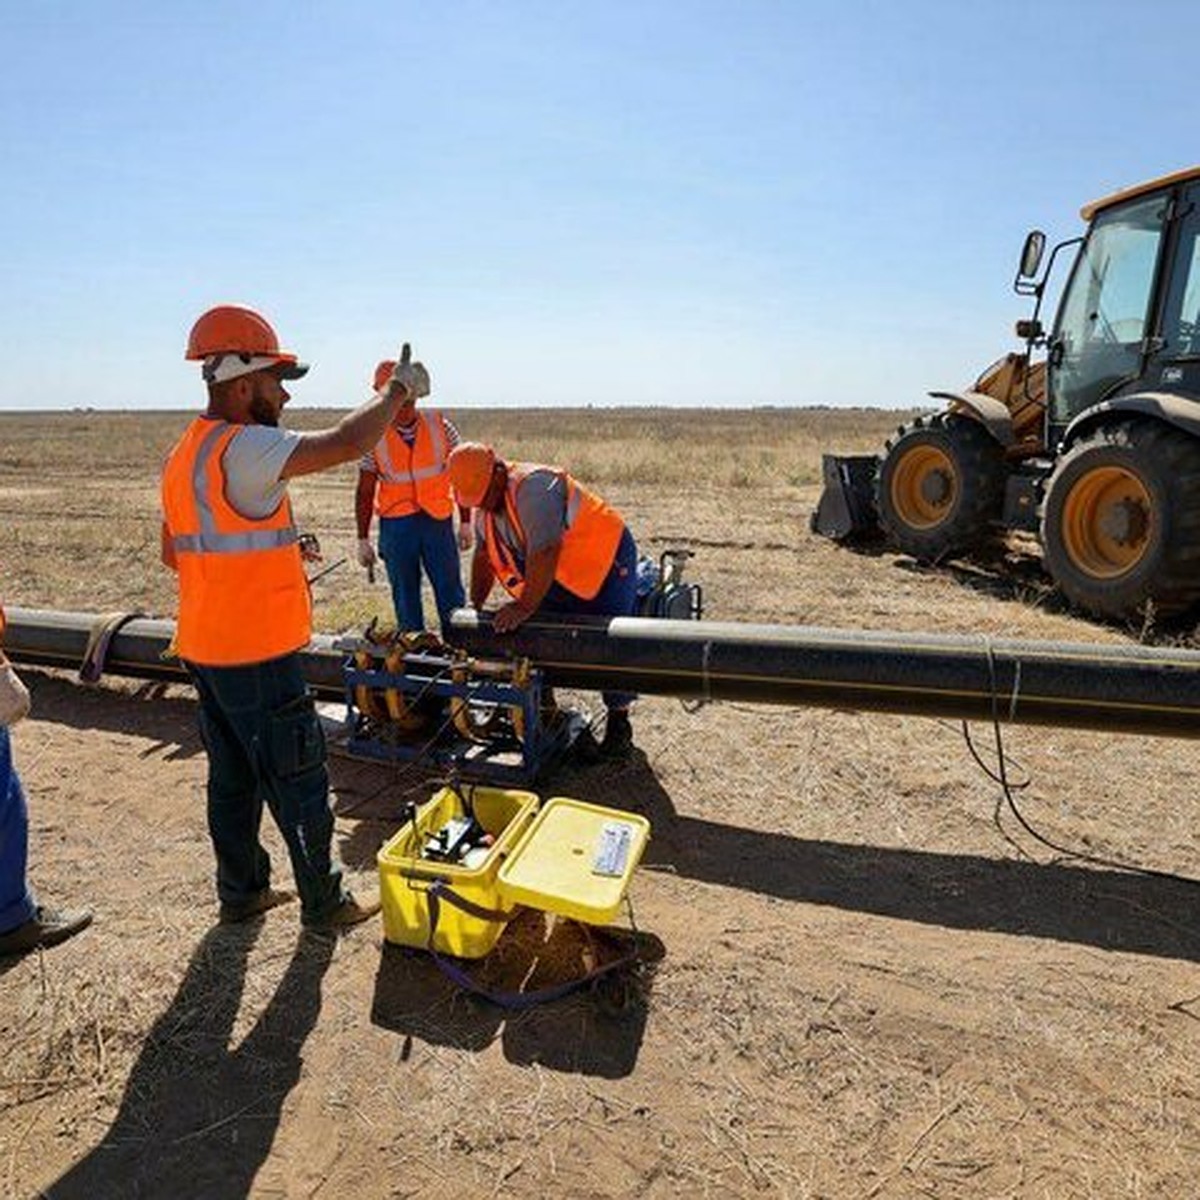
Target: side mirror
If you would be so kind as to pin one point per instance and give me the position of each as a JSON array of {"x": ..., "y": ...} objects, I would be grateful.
[
  {"x": 1031, "y": 255},
  {"x": 1030, "y": 330}
]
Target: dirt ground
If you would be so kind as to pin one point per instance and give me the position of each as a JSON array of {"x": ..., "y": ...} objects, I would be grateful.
[{"x": 865, "y": 980}]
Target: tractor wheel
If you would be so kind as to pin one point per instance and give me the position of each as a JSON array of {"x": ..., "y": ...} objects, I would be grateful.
[
  {"x": 1121, "y": 520},
  {"x": 940, "y": 486}
]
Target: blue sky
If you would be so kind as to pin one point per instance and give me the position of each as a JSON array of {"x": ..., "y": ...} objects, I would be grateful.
[{"x": 562, "y": 203}]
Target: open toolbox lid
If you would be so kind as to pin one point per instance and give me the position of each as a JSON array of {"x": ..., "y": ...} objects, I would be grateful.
[{"x": 576, "y": 859}]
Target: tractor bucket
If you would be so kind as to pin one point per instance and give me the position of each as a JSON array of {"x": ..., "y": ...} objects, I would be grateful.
[{"x": 846, "y": 509}]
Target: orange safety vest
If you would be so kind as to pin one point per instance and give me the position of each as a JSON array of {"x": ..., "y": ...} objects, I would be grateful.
[
  {"x": 243, "y": 596},
  {"x": 589, "y": 543},
  {"x": 414, "y": 478}
]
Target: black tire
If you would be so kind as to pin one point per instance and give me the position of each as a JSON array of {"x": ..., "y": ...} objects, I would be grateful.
[
  {"x": 940, "y": 488},
  {"x": 1120, "y": 523}
]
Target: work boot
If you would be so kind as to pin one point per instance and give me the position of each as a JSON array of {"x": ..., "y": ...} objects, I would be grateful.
[
  {"x": 47, "y": 927},
  {"x": 233, "y": 913},
  {"x": 349, "y": 912},
  {"x": 552, "y": 717},
  {"x": 585, "y": 750},
  {"x": 618, "y": 735}
]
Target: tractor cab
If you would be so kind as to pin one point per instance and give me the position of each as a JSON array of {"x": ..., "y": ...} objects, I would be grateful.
[{"x": 1129, "y": 318}]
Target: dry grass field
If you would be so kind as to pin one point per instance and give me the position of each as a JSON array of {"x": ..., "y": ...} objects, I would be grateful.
[{"x": 869, "y": 980}]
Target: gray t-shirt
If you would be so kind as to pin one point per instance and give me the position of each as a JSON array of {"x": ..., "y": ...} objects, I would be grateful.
[
  {"x": 252, "y": 463},
  {"x": 542, "y": 508}
]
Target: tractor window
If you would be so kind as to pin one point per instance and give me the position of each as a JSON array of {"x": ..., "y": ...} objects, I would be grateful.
[
  {"x": 1189, "y": 327},
  {"x": 1104, "y": 313},
  {"x": 1182, "y": 326}
]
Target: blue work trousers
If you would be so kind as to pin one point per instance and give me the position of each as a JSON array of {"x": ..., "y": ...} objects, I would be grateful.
[
  {"x": 265, "y": 745},
  {"x": 617, "y": 597},
  {"x": 16, "y": 901},
  {"x": 406, "y": 544}
]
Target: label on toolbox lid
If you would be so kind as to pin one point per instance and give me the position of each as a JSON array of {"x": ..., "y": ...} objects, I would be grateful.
[
  {"x": 576, "y": 859},
  {"x": 612, "y": 848}
]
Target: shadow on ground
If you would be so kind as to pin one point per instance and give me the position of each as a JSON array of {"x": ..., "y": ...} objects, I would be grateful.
[
  {"x": 999, "y": 573},
  {"x": 162, "y": 711},
  {"x": 1109, "y": 909},
  {"x": 595, "y": 1031},
  {"x": 199, "y": 1118},
  {"x": 1019, "y": 576},
  {"x": 166, "y": 713}
]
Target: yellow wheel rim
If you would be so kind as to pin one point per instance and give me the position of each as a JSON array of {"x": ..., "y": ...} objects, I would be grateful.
[
  {"x": 1106, "y": 522},
  {"x": 925, "y": 486}
]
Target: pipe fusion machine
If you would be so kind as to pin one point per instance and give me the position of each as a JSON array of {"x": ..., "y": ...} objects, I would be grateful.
[{"x": 411, "y": 698}]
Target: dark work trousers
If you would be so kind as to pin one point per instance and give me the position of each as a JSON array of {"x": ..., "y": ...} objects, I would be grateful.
[
  {"x": 617, "y": 597},
  {"x": 265, "y": 744}
]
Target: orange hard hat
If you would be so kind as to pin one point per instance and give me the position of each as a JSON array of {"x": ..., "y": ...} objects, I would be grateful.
[
  {"x": 233, "y": 340},
  {"x": 470, "y": 466}
]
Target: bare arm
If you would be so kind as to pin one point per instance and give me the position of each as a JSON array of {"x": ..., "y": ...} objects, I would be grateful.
[
  {"x": 482, "y": 576},
  {"x": 364, "y": 502},
  {"x": 539, "y": 575},
  {"x": 352, "y": 437},
  {"x": 167, "y": 548}
]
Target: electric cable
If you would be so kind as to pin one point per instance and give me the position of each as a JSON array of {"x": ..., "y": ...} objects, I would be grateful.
[
  {"x": 401, "y": 768},
  {"x": 1008, "y": 789}
]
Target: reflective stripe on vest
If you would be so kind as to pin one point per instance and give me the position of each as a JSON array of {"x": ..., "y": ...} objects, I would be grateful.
[
  {"x": 234, "y": 543},
  {"x": 589, "y": 542},
  {"x": 208, "y": 540},
  {"x": 423, "y": 483},
  {"x": 507, "y": 570},
  {"x": 243, "y": 597}
]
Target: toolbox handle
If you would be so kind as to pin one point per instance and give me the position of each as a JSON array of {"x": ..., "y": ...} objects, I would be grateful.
[{"x": 512, "y": 1000}]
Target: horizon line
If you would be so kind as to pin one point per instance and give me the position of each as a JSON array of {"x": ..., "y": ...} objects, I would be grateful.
[{"x": 86, "y": 410}]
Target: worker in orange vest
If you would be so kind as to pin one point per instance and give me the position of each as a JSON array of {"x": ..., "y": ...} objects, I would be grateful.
[
  {"x": 24, "y": 924},
  {"x": 404, "y": 479},
  {"x": 554, "y": 546},
  {"x": 245, "y": 609}
]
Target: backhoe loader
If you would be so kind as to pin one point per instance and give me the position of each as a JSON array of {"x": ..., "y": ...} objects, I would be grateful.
[{"x": 1094, "y": 447}]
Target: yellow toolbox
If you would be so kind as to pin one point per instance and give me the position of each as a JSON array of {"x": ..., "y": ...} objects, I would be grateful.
[
  {"x": 575, "y": 859},
  {"x": 405, "y": 877},
  {"x": 567, "y": 857}
]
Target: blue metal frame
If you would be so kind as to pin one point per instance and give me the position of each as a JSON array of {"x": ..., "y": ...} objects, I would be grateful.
[{"x": 427, "y": 675}]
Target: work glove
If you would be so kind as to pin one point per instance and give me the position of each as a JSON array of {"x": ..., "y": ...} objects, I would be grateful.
[
  {"x": 465, "y": 538},
  {"x": 14, "y": 697},
  {"x": 366, "y": 553},
  {"x": 410, "y": 376}
]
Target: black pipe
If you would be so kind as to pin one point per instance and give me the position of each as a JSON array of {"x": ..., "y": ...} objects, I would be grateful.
[
  {"x": 46, "y": 637},
  {"x": 1122, "y": 688},
  {"x": 1130, "y": 689}
]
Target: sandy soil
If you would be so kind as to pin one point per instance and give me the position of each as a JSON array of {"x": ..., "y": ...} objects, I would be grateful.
[{"x": 865, "y": 979}]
